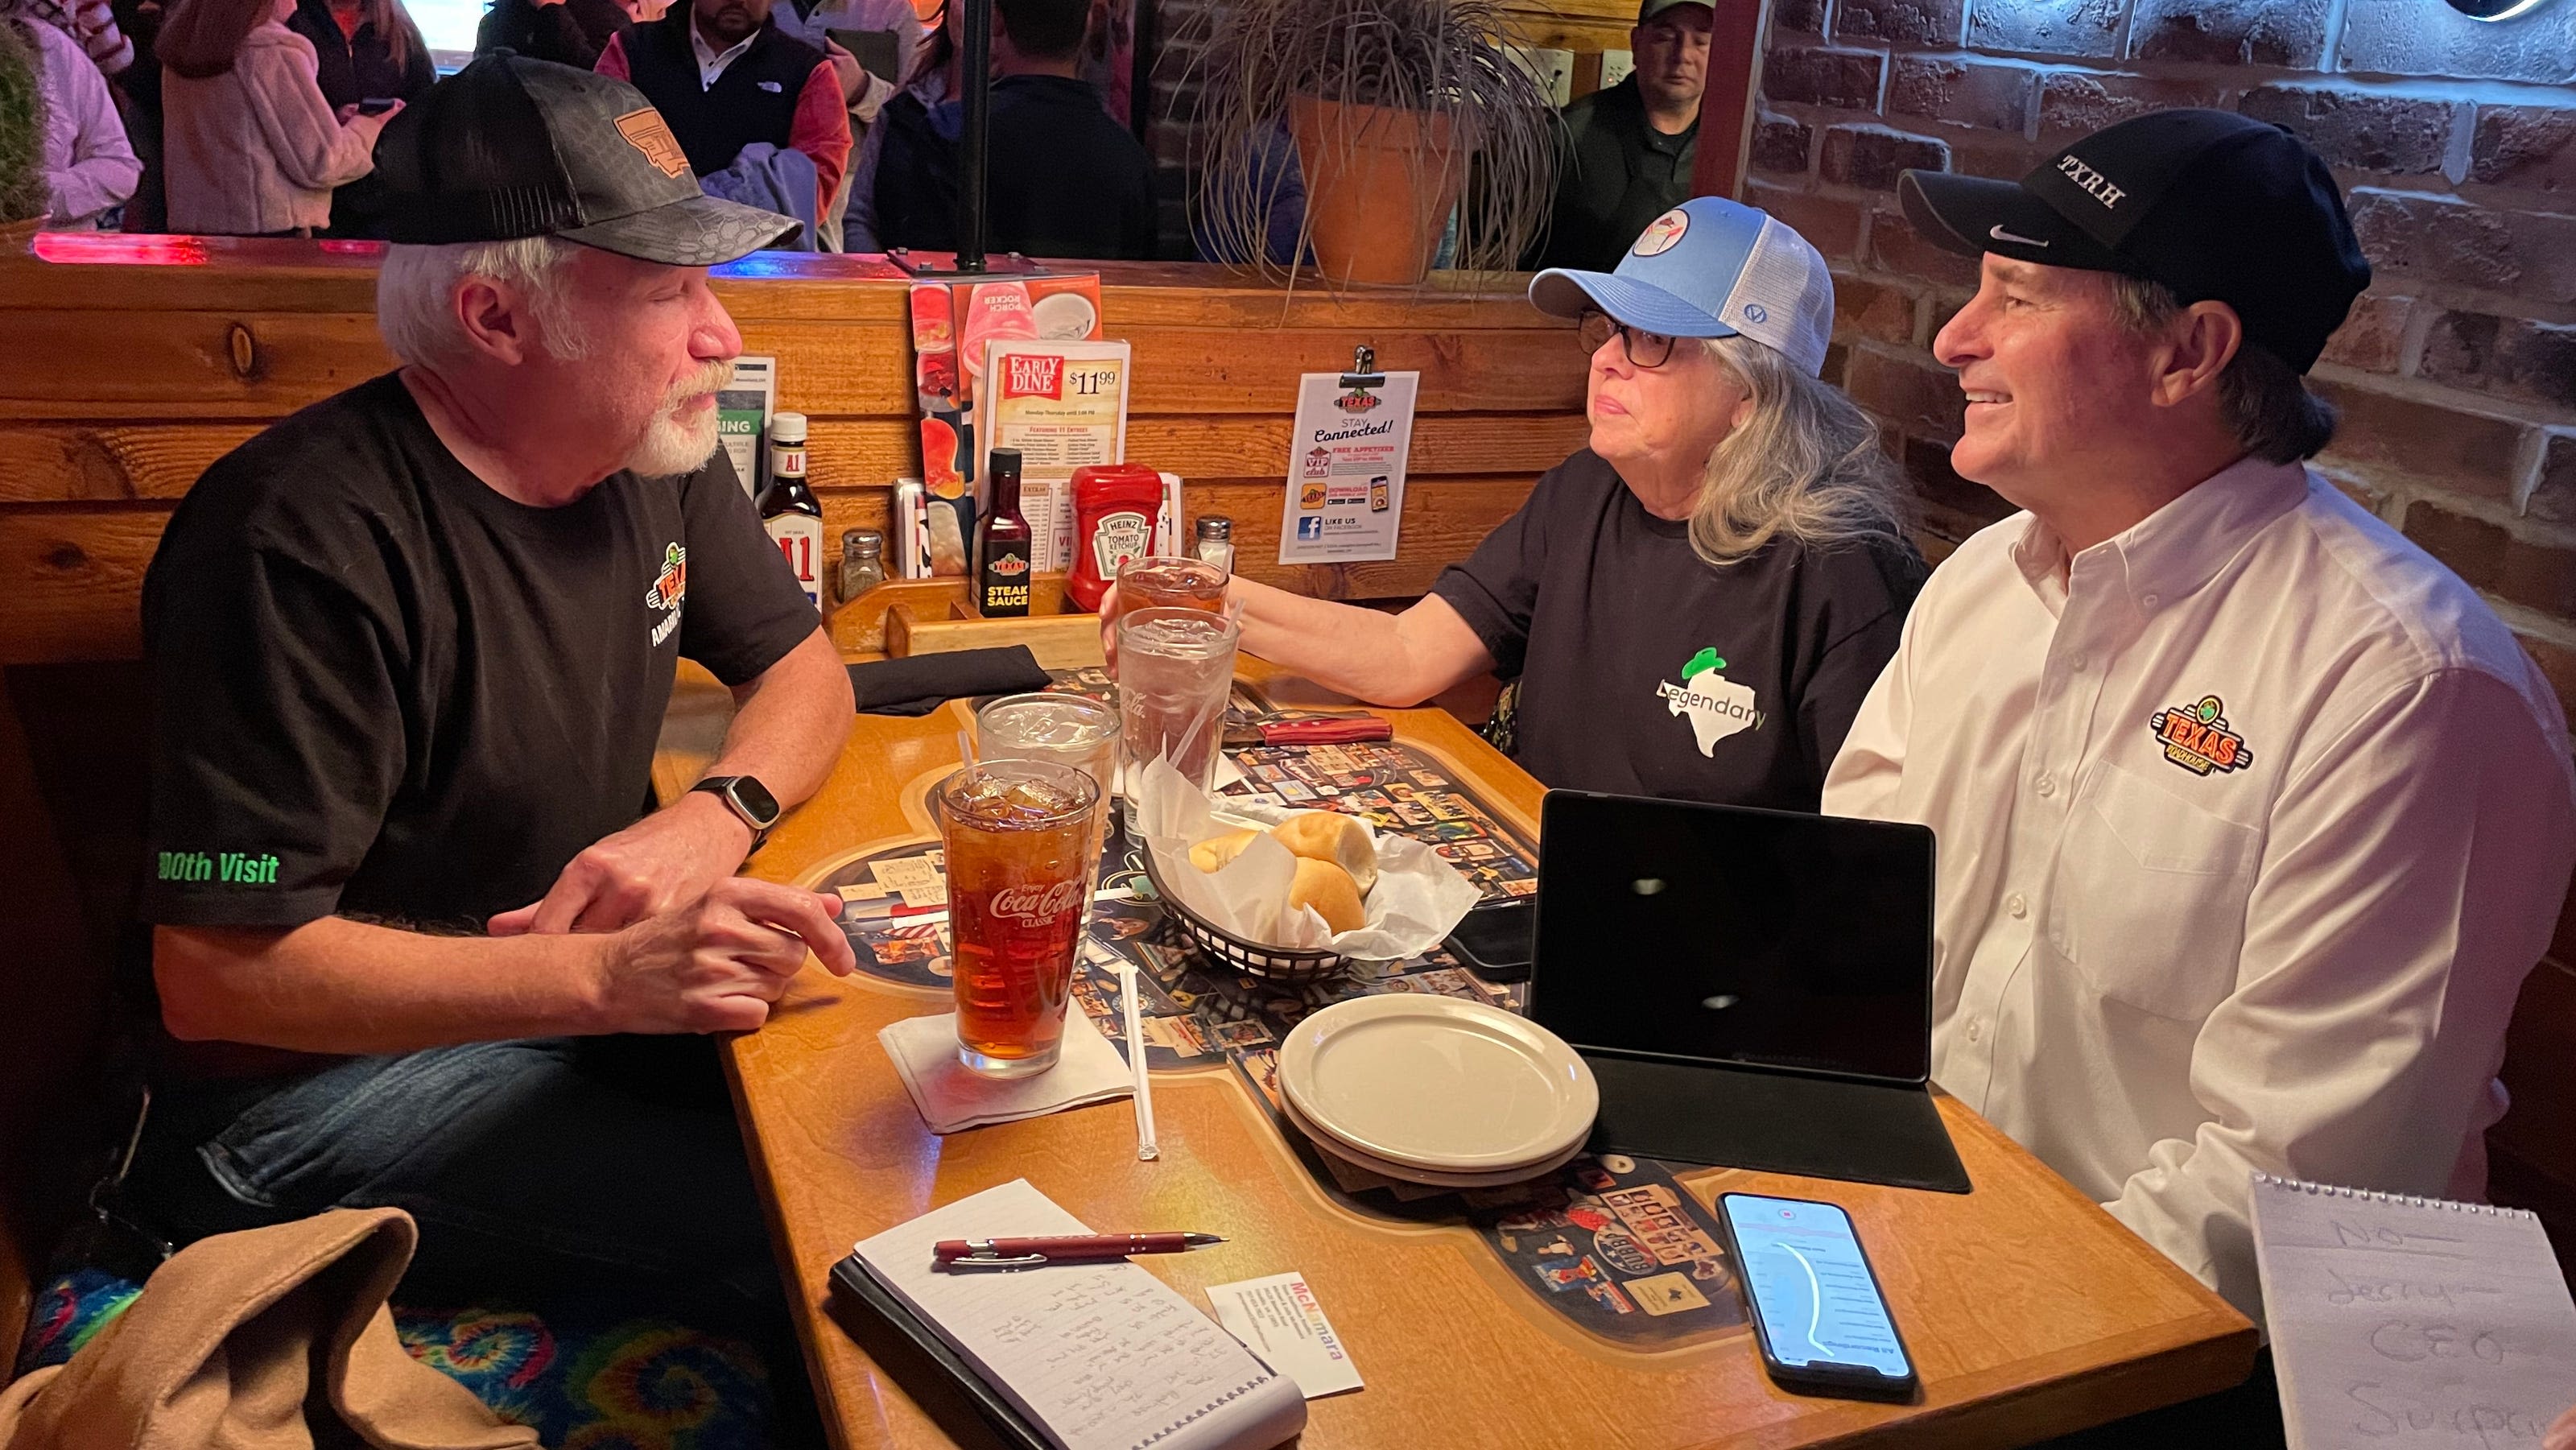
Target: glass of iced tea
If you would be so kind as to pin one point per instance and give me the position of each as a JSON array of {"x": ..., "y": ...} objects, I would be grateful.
[
  {"x": 1021, "y": 838},
  {"x": 1175, "y": 676},
  {"x": 1172, "y": 582}
]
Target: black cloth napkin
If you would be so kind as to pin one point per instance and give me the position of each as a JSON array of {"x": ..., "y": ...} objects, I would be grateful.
[{"x": 919, "y": 684}]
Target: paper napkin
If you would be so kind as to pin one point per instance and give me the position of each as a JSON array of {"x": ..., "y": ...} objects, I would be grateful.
[{"x": 952, "y": 1098}]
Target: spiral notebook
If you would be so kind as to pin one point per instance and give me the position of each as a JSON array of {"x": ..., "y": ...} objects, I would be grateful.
[
  {"x": 2411, "y": 1321},
  {"x": 1096, "y": 1356}
]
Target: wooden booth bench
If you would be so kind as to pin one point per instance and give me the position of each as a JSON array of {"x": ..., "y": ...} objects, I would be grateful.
[{"x": 127, "y": 377}]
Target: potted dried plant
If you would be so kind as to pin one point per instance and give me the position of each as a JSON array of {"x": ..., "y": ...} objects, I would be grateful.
[
  {"x": 1389, "y": 105},
  {"x": 24, "y": 199}
]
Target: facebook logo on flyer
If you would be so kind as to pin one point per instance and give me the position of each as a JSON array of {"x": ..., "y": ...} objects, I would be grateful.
[{"x": 1310, "y": 529}]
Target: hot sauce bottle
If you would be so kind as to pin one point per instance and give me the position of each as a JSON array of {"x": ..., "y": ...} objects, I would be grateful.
[
  {"x": 1002, "y": 544},
  {"x": 788, "y": 509}
]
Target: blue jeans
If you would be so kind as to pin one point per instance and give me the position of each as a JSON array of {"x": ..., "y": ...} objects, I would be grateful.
[{"x": 530, "y": 1165}]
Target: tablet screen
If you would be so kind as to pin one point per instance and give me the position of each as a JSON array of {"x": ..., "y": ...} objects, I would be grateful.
[{"x": 1735, "y": 935}]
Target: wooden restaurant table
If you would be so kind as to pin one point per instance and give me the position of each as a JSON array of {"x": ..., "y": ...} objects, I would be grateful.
[{"x": 2029, "y": 1311}]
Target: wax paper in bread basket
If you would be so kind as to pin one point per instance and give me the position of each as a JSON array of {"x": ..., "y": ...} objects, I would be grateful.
[{"x": 1418, "y": 898}]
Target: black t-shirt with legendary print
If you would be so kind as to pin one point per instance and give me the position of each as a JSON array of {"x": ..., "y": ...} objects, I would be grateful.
[
  {"x": 382, "y": 689},
  {"x": 1644, "y": 670}
]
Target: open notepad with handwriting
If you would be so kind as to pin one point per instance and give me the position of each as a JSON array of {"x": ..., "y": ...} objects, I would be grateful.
[
  {"x": 1101, "y": 1356},
  {"x": 2411, "y": 1321}
]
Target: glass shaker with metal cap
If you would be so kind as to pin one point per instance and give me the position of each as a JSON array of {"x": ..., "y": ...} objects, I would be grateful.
[
  {"x": 1216, "y": 542},
  {"x": 862, "y": 562}
]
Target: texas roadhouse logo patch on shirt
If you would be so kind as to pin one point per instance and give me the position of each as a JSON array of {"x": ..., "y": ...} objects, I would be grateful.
[
  {"x": 670, "y": 588},
  {"x": 2197, "y": 738}
]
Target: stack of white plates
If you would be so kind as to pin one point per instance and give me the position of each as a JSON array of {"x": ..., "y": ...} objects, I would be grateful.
[{"x": 1437, "y": 1090}]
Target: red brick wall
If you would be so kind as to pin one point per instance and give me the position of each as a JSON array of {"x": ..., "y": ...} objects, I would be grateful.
[{"x": 2456, "y": 144}]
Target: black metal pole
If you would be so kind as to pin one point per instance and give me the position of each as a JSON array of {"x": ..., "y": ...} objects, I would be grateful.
[{"x": 975, "y": 72}]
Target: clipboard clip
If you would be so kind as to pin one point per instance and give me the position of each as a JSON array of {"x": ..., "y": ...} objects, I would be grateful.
[{"x": 1363, "y": 373}]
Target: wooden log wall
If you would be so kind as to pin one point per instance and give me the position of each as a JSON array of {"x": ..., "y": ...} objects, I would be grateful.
[{"x": 126, "y": 381}]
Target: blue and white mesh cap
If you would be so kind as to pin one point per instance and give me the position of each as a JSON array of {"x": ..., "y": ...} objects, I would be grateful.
[{"x": 1710, "y": 268}]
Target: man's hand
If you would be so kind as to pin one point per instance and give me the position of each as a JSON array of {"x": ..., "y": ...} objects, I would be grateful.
[
  {"x": 715, "y": 964},
  {"x": 666, "y": 860},
  {"x": 2562, "y": 1435}
]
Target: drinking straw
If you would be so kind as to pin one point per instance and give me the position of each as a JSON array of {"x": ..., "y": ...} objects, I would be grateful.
[{"x": 1146, "y": 1151}]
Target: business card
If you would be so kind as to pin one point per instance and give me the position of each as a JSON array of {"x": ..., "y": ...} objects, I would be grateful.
[{"x": 1278, "y": 1319}]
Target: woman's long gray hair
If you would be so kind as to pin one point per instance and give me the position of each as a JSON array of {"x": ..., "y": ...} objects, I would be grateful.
[{"x": 1806, "y": 465}]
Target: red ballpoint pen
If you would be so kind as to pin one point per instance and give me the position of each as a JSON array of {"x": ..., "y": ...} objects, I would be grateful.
[{"x": 1075, "y": 1248}]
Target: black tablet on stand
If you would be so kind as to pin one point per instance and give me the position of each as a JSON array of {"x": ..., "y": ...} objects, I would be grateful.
[{"x": 1751, "y": 988}]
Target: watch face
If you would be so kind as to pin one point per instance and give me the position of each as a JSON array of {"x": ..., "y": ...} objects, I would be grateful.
[{"x": 755, "y": 798}]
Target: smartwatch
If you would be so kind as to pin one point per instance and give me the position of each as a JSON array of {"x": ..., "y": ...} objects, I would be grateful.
[{"x": 748, "y": 799}]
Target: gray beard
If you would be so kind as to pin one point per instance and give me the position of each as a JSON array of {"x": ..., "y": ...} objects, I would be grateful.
[{"x": 670, "y": 447}]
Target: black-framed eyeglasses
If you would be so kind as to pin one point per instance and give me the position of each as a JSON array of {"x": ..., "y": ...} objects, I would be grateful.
[{"x": 1645, "y": 349}]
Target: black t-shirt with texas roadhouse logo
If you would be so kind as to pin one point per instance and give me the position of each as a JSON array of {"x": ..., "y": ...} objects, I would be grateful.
[
  {"x": 382, "y": 689},
  {"x": 1644, "y": 670}
]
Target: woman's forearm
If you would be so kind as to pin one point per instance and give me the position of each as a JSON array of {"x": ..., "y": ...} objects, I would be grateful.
[{"x": 1384, "y": 659}]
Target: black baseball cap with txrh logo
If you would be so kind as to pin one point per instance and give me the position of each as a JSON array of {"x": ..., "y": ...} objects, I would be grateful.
[
  {"x": 2214, "y": 205},
  {"x": 511, "y": 147}
]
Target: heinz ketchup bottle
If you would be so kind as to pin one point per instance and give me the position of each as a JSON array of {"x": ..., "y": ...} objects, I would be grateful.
[{"x": 1115, "y": 506}]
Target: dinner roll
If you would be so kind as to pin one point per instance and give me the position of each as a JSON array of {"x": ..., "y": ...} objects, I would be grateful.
[
  {"x": 1334, "y": 837},
  {"x": 1329, "y": 889},
  {"x": 1213, "y": 853}
]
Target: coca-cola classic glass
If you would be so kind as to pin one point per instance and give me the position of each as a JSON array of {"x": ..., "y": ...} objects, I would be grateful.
[{"x": 1020, "y": 836}]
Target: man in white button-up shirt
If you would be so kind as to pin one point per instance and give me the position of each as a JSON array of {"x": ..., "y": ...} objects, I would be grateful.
[{"x": 2252, "y": 816}]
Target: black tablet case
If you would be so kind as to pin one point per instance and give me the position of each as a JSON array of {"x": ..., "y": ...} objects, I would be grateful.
[{"x": 1776, "y": 1122}]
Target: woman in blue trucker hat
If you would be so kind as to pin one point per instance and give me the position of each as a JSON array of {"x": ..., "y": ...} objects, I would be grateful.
[{"x": 1693, "y": 605}]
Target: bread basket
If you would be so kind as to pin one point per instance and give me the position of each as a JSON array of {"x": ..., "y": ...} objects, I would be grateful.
[{"x": 1277, "y": 964}]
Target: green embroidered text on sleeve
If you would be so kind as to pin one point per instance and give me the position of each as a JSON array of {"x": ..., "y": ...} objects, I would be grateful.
[{"x": 233, "y": 868}]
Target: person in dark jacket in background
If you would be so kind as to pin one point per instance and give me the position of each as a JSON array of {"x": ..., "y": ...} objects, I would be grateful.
[
  {"x": 567, "y": 32},
  {"x": 1629, "y": 148},
  {"x": 364, "y": 50},
  {"x": 138, "y": 89},
  {"x": 1066, "y": 180},
  {"x": 724, "y": 76}
]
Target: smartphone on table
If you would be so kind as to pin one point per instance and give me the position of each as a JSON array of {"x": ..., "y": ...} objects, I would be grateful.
[
  {"x": 1818, "y": 1316},
  {"x": 1497, "y": 941}
]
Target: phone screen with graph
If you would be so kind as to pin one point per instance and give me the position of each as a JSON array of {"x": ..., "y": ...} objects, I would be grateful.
[{"x": 1821, "y": 1321}]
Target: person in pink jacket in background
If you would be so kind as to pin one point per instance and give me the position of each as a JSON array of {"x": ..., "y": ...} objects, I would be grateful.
[
  {"x": 89, "y": 166},
  {"x": 251, "y": 146}
]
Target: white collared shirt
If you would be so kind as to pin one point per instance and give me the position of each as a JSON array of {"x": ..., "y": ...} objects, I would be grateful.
[
  {"x": 711, "y": 64},
  {"x": 2251, "y": 821}
]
